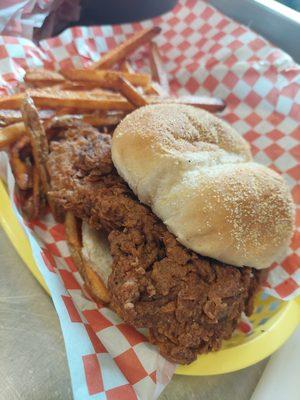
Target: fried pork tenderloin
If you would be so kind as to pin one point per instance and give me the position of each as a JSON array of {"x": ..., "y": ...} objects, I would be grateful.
[{"x": 189, "y": 303}]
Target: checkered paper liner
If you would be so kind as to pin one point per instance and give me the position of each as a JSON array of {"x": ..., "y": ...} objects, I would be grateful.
[{"x": 206, "y": 53}]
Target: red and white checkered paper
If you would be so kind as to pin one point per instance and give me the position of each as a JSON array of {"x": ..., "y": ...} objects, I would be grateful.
[{"x": 204, "y": 53}]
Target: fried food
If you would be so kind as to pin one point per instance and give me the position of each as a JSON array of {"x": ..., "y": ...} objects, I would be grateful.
[
  {"x": 131, "y": 94},
  {"x": 152, "y": 88},
  {"x": 104, "y": 78},
  {"x": 39, "y": 77},
  {"x": 95, "y": 118},
  {"x": 40, "y": 149},
  {"x": 46, "y": 98},
  {"x": 21, "y": 164},
  {"x": 84, "y": 100},
  {"x": 158, "y": 72},
  {"x": 11, "y": 133},
  {"x": 38, "y": 139},
  {"x": 72, "y": 229},
  {"x": 103, "y": 120},
  {"x": 8, "y": 117},
  {"x": 126, "y": 48},
  {"x": 38, "y": 199},
  {"x": 91, "y": 279},
  {"x": 126, "y": 67},
  {"x": 189, "y": 303},
  {"x": 211, "y": 104},
  {"x": 84, "y": 86},
  {"x": 12, "y": 102},
  {"x": 95, "y": 284}
]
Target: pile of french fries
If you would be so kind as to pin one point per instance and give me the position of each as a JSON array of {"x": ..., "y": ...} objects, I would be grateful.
[{"x": 100, "y": 95}]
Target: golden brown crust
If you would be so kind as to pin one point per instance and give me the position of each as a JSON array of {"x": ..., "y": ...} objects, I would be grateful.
[{"x": 189, "y": 303}]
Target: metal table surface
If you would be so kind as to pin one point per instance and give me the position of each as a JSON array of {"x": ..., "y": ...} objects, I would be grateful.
[{"x": 33, "y": 363}]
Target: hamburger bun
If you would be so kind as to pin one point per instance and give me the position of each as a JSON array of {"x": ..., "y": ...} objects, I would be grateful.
[{"x": 198, "y": 176}]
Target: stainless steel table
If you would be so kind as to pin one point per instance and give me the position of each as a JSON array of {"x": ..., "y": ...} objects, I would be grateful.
[{"x": 33, "y": 363}]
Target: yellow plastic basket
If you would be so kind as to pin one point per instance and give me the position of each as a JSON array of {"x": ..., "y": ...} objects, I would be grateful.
[{"x": 273, "y": 320}]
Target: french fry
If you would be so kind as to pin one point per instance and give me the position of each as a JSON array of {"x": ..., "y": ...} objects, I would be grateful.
[
  {"x": 65, "y": 111},
  {"x": 95, "y": 118},
  {"x": 47, "y": 98},
  {"x": 81, "y": 86},
  {"x": 72, "y": 229},
  {"x": 13, "y": 102},
  {"x": 126, "y": 67},
  {"x": 42, "y": 77},
  {"x": 43, "y": 84},
  {"x": 40, "y": 149},
  {"x": 92, "y": 280},
  {"x": 27, "y": 206},
  {"x": 21, "y": 173},
  {"x": 82, "y": 100},
  {"x": 120, "y": 52},
  {"x": 152, "y": 88},
  {"x": 107, "y": 94},
  {"x": 211, "y": 104},
  {"x": 22, "y": 170},
  {"x": 105, "y": 78},
  {"x": 128, "y": 91},
  {"x": 95, "y": 284},
  {"x": 11, "y": 133},
  {"x": 68, "y": 85},
  {"x": 158, "y": 72},
  {"x": 38, "y": 139},
  {"x": 103, "y": 93},
  {"x": 8, "y": 117},
  {"x": 155, "y": 89},
  {"x": 72, "y": 85},
  {"x": 37, "y": 195},
  {"x": 42, "y": 97},
  {"x": 102, "y": 120}
]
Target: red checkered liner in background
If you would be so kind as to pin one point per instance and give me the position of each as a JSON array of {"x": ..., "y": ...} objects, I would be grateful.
[{"x": 204, "y": 53}]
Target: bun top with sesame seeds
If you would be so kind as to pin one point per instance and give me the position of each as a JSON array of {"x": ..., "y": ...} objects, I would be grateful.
[{"x": 198, "y": 176}]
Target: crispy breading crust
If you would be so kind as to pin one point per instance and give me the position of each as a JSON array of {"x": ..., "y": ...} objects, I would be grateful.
[{"x": 189, "y": 303}]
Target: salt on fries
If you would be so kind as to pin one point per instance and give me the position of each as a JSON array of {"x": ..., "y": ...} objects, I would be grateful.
[{"x": 100, "y": 95}]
